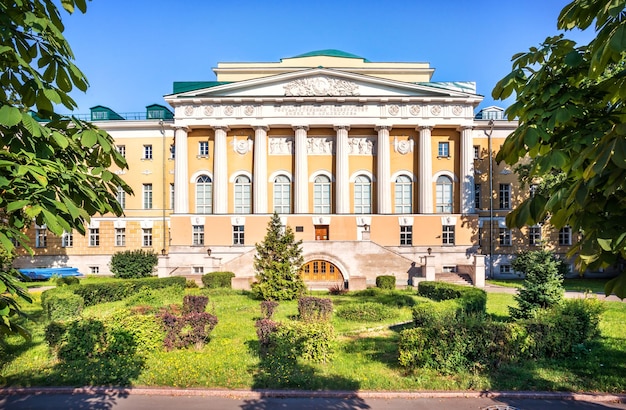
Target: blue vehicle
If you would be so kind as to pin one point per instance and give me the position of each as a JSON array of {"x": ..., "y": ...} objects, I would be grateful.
[{"x": 47, "y": 273}]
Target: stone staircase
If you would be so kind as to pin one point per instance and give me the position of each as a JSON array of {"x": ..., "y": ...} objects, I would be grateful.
[{"x": 455, "y": 278}]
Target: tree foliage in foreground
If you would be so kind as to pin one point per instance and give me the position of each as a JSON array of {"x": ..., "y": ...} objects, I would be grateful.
[
  {"x": 53, "y": 169},
  {"x": 277, "y": 264},
  {"x": 572, "y": 123}
]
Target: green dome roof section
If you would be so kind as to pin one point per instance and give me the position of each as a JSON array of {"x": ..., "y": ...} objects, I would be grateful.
[{"x": 330, "y": 53}]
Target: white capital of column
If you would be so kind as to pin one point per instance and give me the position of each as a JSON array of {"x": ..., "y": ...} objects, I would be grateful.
[
  {"x": 220, "y": 172},
  {"x": 467, "y": 171},
  {"x": 425, "y": 204},
  {"x": 181, "y": 183},
  {"x": 384, "y": 174},
  {"x": 301, "y": 186},
  {"x": 259, "y": 183},
  {"x": 342, "y": 186}
]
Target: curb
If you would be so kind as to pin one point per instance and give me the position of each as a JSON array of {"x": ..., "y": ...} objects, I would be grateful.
[{"x": 258, "y": 394}]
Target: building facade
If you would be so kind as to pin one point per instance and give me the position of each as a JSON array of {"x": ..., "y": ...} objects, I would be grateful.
[{"x": 377, "y": 169}]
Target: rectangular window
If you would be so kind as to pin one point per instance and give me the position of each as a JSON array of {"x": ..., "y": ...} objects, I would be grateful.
[
  {"x": 565, "y": 236},
  {"x": 534, "y": 235},
  {"x": 198, "y": 235},
  {"x": 147, "y": 196},
  {"x": 121, "y": 197},
  {"x": 122, "y": 150},
  {"x": 147, "y": 151},
  {"x": 94, "y": 270},
  {"x": 505, "y": 237},
  {"x": 41, "y": 237},
  {"x": 94, "y": 236},
  {"x": 505, "y": 196},
  {"x": 172, "y": 196},
  {"x": 238, "y": 235},
  {"x": 448, "y": 235},
  {"x": 172, "y": 151},
  {"x": 444, "y": 149},
  {"x": 406, "y": 235},
  {"x": 120, "y": 236},
  {"x": 146, "y": 237},
  {"x": 505, "y": 269},
  {"x": 203, "y": 149},
  {"x": 67, "y": 240},
  {"x": 198, "y": 270},
  {"x": 476, "y": 151},
  {"x": 477, "y": 196}
]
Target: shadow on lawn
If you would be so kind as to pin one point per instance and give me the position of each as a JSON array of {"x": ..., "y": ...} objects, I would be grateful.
[{"x": 98, "y": 399}]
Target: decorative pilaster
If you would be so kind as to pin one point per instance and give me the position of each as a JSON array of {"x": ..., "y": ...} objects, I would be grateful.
[
  {"x": 467, "y": 171},
  {"x": 384, "y": 170},
  {"x": 342, "y": 186},
  {"x": 181, "y": 183},
  {"x": 259, "y": 183},
  {"x": 301, "y": 186},
  {"x": 425, "y": 204},
  {"x": 220, "y": 172}
]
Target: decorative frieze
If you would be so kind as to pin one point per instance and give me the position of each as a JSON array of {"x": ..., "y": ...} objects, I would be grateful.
[
  {"x": 281, "y": 146},
  {"x": 402, "y": 146},
  {"x": 362, "y": 146},
  {"x": 242, "y": 145},
  {"x": 320, "y": 87},
  {"x": 320, "y": 146},
  {"x": 326, "y": 110}
]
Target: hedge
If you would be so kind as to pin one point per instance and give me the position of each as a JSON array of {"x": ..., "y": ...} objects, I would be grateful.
[
  {"x": 472, "y": 300},
  {"x": 61, "y": 304},
  {"x": 217, "y": 279},
  {"x": 386, "y": 282},
  {"x": 94, "y": 293}
]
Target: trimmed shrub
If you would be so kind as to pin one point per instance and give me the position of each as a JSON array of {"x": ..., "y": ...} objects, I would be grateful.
[
  {"x": 191, "y": 329},
  {"x": 267, "y": 308},
  {"x": 146, "y": 331},
  {"x": 366, "y": 312},
  {"x": 264, "y": 330},
  {"x": 94, "y": 293},
  {"x": 134, "y": 264},
  {"x": 312, "y": 309},
  {"x": 426, "y": 313},
  {"x": 313, "y": 342},
  {"x": 191, "y": 284},
  {"x": 386, "y": 282},
  {"x": 61, "y": 304},
  {"x": 67, "y": 281},
  {"x": 214, "y": 280},
  {"x": 472, "y": 300},
  {"x": 194, "y": 304},
  {"x": 53, "y": 334},
  {"x": 154, "y": 297}
]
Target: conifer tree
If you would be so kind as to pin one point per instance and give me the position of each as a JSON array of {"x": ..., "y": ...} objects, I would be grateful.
[{"x": 277, "y": 264}]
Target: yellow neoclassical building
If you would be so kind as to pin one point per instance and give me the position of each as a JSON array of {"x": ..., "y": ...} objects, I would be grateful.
[{"x": 377, "y": 169}]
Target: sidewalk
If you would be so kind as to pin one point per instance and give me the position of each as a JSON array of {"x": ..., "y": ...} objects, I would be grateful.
[{"x": 568, "y": 294}]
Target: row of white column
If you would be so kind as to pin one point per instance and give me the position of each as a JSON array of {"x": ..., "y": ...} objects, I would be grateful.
[{"x": 301, "y": 177}]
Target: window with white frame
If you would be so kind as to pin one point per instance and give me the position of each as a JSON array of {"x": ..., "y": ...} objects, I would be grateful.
[
  {"x": 321, "y": 195},
  {"x": 67, "y": 240},
  {"x": 406, "y": 235},
  {"x": 477, "y": 196},
  {"x": 505, "y": 196},
  {"x": 203, "y": 149},
  {"x": 404, "y": 195},
  {"x": 122, "y": 150},
  {"x": 282, "y": 195},
  {"x": 534, "y": 235},
  {"x": 198, "y": 235},
  {"x": 243, "y": 198},
  {"x": 94, "y": 236},
  {"x": 146, "y": 235},
  {"x": 120, "y": 236},
  {"x": 476, "y": 151},
  {"x": 505, "y": 237},
  {"x": 172, "y": 197},
  {"x": 147, "y": 151},
  {"x": 448, "y": 235},
  {"x": 198, "y": 270},
  {"x": 94, "y": 270},
  {"x": 172, "y": 151},
  {"x": 443, "y": 149},
  {"x": 147, "y": 196},
  {"x": 505, "y": 269},
  {"x": 121, "y": 197},
  {"x": 565, "y": 236},
  {"x": 444, "y": 194},
  {"x": 362, "y": 195},
  {"x": 204, "y": 195},
  {"x": 238, "y": 234},
  {"x": 41, "y": 237}
]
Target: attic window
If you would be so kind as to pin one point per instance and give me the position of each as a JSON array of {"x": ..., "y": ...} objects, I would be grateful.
[
  {"x": 100, "y": 115},
  {"x": 156, "y": 114}
]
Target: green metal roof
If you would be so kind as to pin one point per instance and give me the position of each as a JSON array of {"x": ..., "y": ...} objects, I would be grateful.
[
  {"x": 184, "y": 86},
  {"x": 330, "y": 53}
]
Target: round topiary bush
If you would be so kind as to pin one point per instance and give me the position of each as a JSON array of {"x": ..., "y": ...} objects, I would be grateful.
[{"x": 366, "y": 312}]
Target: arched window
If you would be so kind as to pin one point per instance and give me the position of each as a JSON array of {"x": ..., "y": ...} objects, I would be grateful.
[
  {"x": 362, "y": 195},
  {"x": 282, "y": 195},
  {"x": 321, "y": 195},
  {"x": 444, "y": 194},
  {"x": 204, "y": 195},
  {"x": 404, "y": 195},
  {"x": 242, "y": 195}
]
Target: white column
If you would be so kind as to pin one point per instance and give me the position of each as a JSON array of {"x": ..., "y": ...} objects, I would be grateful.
[
  {"x": 259, "y": 183},
  {"x": 301, "y": 186},
  {"x": 425, "y": 182},
  {"x": 342, "y": 185},
  {"x": 220, "y": 172},
  {"x": 383, "y": 176},
  {"x": 181, "y": 176},
  {"x": 467, "y": 171}
]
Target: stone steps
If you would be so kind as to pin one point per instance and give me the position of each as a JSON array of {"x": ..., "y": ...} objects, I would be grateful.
[{"x": 454, "y": 278}]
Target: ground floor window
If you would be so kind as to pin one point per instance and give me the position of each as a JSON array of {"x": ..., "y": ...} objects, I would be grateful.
[
  {"x": 406, "y": 235},
  {"x": 147, "y": 237},
  {"x": 238, "y": 235},
  {"x": 198, "y": 235},
  {"x": 505, "y": 269},
  {"x": 120, "y": 236},
  {"x": 448, "y": 235}
]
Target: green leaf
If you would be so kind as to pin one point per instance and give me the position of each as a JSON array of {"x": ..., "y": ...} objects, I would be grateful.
[
  {"x": 63, "y": 80},
  {"x": 10, "y": 116},
  {"x": 616, "y": 286},
  {"x": 89, "y": 138},
  {"x": 618, "y": 39},
  {"x": 60, "y": 139},
  {"x": 605, "y": 244},
  {"x": 14, "y": 206}
]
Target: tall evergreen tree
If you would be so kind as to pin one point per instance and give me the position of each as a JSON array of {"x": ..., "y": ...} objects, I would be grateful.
[{"x": 277, "y": 264}]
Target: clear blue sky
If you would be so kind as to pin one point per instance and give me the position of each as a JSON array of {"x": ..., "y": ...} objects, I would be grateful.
[{"x": 133, "y": 50}]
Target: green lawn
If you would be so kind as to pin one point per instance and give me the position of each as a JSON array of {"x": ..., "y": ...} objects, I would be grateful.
[
  {"x": 576, "y": 285},
  {"x": 365, "y": 358}
]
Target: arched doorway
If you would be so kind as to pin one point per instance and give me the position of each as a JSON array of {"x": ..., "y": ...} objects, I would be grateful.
[{"x": 319, "y": 272}]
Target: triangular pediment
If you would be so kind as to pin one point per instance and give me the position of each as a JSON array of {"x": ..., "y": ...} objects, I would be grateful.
[{"x": 323, "y": 83}]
